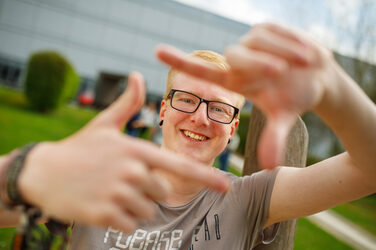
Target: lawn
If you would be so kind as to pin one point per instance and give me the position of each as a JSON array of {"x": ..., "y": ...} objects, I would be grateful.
[
  {"x": 310, "y": 237},
  {"x": 362, "y": 212},
  {"x": 19, "y": 125}
]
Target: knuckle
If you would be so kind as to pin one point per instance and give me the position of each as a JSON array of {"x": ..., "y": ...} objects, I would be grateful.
[
  {"x": 136, "y": 174},
  {"x": 257, "y": 29},
  {"x": 147, "y": 210},
  {"x": 106, "y": 217},
  {"x": 256, "y": 37},
  {"x": 115, "y": 194},
  {"x": 95, "y": 216},
  {"x": 266, "y": 25},
  {"x": 229, "y": 51},
  {"x": 127, "y": 196}
]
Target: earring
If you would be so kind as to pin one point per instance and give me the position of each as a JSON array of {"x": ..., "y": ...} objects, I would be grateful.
[
  {"x": 229, "y": 140},
  {"x": 161, "y": 123}
]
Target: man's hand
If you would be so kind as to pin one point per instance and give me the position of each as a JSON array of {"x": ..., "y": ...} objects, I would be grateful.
[
  {"x": 279, "y": 70},
  {"x": 102, "y": 177}
]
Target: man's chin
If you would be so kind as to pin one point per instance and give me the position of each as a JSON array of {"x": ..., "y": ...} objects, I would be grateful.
[{"x": 197, "y": 156}]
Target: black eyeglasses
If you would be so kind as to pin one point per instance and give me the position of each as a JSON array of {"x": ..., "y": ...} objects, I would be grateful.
[{"x": 216, "y": 111}]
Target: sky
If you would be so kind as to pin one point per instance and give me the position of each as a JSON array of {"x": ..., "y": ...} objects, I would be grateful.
[{"x": 346, "y": 26}]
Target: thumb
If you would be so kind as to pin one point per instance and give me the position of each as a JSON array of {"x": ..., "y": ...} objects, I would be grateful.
[
  {"x": 130, "y": 101},
  {"x": 272, "y": 145}
]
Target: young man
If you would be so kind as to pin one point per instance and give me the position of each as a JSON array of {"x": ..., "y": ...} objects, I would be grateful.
[{"x": 284, "y": 73}]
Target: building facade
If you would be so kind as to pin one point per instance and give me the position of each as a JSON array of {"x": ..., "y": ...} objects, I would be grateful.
[{"x": 112, "y": 36}]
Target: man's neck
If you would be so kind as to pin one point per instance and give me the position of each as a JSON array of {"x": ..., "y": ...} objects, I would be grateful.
[{"x": 182, "y": 190}]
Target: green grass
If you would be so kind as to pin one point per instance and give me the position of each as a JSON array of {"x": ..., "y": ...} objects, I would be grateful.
[
  {"x": 20, "y": 125},
  {"x": 311, "y": 237},
  {"x": 362, "y": 212},
  {"x": 6, "y": 235}
]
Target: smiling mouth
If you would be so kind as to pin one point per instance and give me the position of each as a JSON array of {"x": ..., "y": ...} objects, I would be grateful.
[{"x": 194, "y": 136}]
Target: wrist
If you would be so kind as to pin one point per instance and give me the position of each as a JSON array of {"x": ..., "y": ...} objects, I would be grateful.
[
  {"x": 31, "y": 176},
  {"x": 10, "y": 170},
  {"x": 335, "y": 83},
  {"x": 4, "y": 163}
]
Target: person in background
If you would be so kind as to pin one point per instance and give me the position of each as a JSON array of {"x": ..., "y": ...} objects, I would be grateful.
[
  {"x": 134, "y": 125},
  {"x": 231, "y": 148},
  {"x": 149, "y": 119}
]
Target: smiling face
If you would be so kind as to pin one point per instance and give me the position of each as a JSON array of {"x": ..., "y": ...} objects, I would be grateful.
[{"x": 195, "y": 135}]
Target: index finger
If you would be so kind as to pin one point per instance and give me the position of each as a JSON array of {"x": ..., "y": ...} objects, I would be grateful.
[
  {"x": 158, "y": 158},
  {"x": 190, "y": 65}
]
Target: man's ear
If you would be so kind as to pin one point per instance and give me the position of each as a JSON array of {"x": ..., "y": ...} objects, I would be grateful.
[
  {"x": 162, "y": 110},
  {"x": 234, "y": 126}
]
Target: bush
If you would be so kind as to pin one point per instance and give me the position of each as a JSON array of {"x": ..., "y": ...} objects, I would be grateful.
[{"x": 50, "y": 81}]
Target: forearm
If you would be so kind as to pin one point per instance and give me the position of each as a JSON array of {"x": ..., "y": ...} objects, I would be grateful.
[{"x": 352, "y": 116}]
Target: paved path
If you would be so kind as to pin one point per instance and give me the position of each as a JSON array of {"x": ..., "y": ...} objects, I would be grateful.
[{"x": 331, "y": 222}]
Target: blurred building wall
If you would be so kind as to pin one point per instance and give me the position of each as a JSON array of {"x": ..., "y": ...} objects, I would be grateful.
[{"x": 116, "y": 36}]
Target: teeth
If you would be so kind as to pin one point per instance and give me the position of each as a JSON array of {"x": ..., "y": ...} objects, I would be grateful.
[{"x": 194, "y": 136}]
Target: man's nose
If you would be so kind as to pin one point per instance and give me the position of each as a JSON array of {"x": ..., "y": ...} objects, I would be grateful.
[{"x": 200, "y": 116}]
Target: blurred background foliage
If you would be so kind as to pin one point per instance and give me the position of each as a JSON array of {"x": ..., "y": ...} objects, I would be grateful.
[{"x": 50, "y": 80}]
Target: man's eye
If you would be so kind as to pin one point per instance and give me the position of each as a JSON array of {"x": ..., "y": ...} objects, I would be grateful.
[
  {"x": 217, "y": 110},
  {"x": 186, "y": 100}
]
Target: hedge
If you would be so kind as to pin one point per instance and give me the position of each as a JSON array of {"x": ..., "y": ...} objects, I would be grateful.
[{"x": 50, "y": 81}]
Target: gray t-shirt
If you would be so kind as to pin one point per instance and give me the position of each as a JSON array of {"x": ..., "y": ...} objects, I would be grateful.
[{"x": 211, "y": 220}]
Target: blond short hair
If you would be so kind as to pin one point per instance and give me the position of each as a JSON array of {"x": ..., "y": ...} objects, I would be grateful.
[{"x": 213, "y": 58}]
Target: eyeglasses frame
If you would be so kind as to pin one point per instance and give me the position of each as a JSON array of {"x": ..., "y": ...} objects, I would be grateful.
[{"x": 173, "y": 91}]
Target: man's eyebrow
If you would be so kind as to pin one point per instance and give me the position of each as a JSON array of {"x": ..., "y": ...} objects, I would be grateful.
[
  {"x": 221, "y": 100},
  {"x": 215, "y": 99}
]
